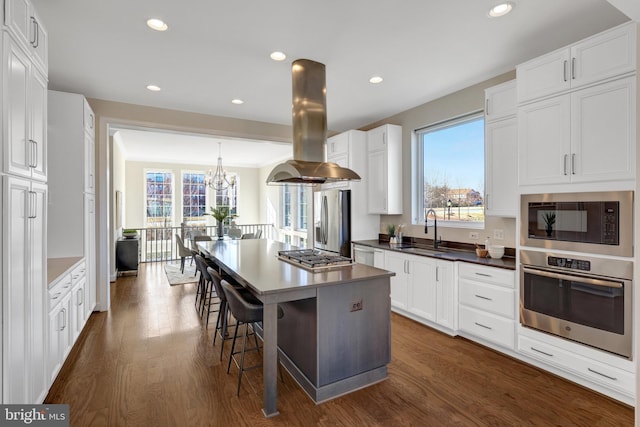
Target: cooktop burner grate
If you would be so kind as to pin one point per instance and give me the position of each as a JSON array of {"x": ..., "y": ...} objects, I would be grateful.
[{"x": 313, "y": 259}]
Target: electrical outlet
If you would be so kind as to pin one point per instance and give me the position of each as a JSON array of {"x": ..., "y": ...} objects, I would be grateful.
[
  {"x": 357, "y": 305},
  {"x": 473, "y": 235},
  {"x": 498, "y": 234}
]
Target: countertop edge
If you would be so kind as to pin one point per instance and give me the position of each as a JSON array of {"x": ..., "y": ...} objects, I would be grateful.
[{"x": 58, "y": 267}]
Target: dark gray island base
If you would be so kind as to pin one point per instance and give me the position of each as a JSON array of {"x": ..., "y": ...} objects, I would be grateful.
[{"x": 335, "y": 335}]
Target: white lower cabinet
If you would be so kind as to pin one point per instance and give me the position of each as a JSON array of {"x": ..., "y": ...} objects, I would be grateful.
[
  {"x": 423, "y": 288},
  {"x": 59, "y": 326},
  {"x": 487, "y": 303},
  {"x": 585, "y": 368}
]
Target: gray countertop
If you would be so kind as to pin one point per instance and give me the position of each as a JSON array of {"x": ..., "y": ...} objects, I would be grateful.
[
  {"x": 255, "y": 264},
  {"x": 446, "y": 254}
]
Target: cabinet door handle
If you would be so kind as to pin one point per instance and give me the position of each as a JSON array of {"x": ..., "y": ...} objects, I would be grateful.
[
  {"x": 34, "y": 154},
  {"x": 573, "y": 68},
  {"x": 437, "y": 278},
  {"x": 565, "y": 163},
  {"x": 541, "y": 352},
  {"x": 483, "y": 326},
  {"x": 486, "y": 107},
  {"x": 483, "y": 297},
  {"x": 384, "y": 138},
  {"x": 64, "y": 318},
  {"x": 573, "y": 163},
  {"x": 92, "y": 121},
  {"x": 33, "y": 204},
  {"x": 56, "y": 296},
  {"x": 603, "y": 375},
  {"x": 564, "y": 70},
  {"x": 483, "y": 274}
]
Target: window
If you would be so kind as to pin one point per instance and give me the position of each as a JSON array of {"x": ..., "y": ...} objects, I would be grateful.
[
  {"x": 194, "y": 200},
  {"x": 229, "y": 197},
  {"x": 159, "y": 198},
  {"x": 294, "y": 213},
  {"x": 451, "y": 182}
]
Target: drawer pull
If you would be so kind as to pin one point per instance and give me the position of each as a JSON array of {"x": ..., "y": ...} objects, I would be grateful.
[
  {"x": 541, "y": 352},
  {"x": 483, "y": 274},
  {"x": 486, "y": 298},
  {"x": 602, "y": 375},
  {"x": 56, "y": 296},
  {"x": 483, "y": 326}
]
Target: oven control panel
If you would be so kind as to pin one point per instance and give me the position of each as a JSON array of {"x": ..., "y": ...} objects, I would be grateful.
[{"x": 574, "y": 264}]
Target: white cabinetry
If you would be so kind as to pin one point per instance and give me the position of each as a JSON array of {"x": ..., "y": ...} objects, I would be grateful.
[
  {"x": 602, "y": 372},
  {"x": 349, "y": 150},
  {"x": 423, "y": 288},
  {"x": 24, "y": 328},
  {"x": 487, "y": 306},
  {"x": 24, "y": 106},
  {"x": 585, "y": 136},
  {"x": 60, "y": 325},
  {"x": 72, "y": 184},
  {"x": 602, "y": 56},
  {"x": 582, "y": 125},
  {"x": 23, "y": 174},
  {"x": 22, "y": 22},
  {"x": 501, "y": 150},
  {"x": 385, "y": 170}
]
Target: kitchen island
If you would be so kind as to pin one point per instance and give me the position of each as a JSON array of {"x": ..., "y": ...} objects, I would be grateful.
[{"x": 335, "y": 335}]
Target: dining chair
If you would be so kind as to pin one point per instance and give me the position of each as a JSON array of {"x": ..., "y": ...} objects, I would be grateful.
[{"x": 183, "y": 252}]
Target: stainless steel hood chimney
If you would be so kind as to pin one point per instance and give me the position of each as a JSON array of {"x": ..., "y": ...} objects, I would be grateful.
[{"x": 309, "y": 165}]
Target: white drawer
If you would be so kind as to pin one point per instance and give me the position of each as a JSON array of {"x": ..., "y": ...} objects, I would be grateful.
[
  {"x": 584, "y": 367},
  {"x": 487, "y": 326},
  {"x": 78, "y": 273},
  {"x": 59, "y": 289},
  {"x": 493, "y": 275},
  {"x": 491, "y": 298}
]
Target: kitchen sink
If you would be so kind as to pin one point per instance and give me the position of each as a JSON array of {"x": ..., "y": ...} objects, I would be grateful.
[{"x": 423, "y": 250}]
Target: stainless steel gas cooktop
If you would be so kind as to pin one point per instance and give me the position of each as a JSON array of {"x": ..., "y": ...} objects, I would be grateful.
[{"x": 312, "y": 259}]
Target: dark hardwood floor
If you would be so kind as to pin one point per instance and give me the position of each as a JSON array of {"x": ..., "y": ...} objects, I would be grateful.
[{"x": 150, "y": 361}]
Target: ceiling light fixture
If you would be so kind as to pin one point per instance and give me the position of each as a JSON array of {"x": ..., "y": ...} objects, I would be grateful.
[
  {"x": 153, "y": 88},
  {"x": 278, "y": 56},
  {"x": 237, "y": 101},
  {"x": 219, "y": 180},
  {"x": 501, "y": 9},
  {"x": 375, "y": 79},
  {"x": 157, "y": 24}
]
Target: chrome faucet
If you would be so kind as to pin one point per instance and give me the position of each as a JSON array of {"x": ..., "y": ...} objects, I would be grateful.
[{"x": 435, "y": 226}]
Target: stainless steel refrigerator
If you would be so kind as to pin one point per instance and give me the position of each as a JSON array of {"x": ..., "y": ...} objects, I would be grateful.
[{"x": 332, "y": 221}]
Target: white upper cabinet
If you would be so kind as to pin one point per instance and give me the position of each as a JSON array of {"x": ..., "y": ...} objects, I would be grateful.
[
  {"x": 24, "y": 109},
  {"x": 585, "y": 136},
  {"x": 500, "y": 101},
  {"x": 600, "y": 57},
  {"x": 501, "y": 150},
  {"x": 384, "y": 170},
  {"x": 23, "y": 23}
]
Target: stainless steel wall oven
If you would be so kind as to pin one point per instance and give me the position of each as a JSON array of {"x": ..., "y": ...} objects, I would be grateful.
[
  {"x": 582, "y": 298},
  {"x": 593, "y": 222}
]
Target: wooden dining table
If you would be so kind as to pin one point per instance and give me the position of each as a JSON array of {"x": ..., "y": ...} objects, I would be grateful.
[{"x": 344, "y": 307}]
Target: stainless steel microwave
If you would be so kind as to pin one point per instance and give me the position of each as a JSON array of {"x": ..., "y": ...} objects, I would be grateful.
[{"x": 592, "y": 222}]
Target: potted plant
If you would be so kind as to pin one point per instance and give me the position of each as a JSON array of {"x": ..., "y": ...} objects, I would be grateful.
[
  {"x": 220, "y": 213},
  {"x": 549, "y": 219},
  {"x": 391, "y": 231}
]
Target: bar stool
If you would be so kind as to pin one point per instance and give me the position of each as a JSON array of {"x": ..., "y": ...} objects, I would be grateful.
[
  {"x": 207, "y": 290},
  {"x": 247, "y": 313}
]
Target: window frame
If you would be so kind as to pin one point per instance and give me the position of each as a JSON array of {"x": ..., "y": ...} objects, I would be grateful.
[
  {"x": 204, "y": 217},
  {"x": 145, "y": 172},
  {"x": 417, "y": 181}
]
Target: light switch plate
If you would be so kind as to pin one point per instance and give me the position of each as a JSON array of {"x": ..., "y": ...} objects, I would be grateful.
[
  {"x": 473, "y": 235},
  {"x": 498, "y": 234}
]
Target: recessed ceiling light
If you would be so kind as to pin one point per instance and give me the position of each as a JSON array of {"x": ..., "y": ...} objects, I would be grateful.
[
  {"x": 237, "y": 101},
  {"x": 375, "y": 79},
  {"x": 278, "y": 56},
  {"x": 501, "y": 9},
  {"x": 157, "y": 24},
  {"x": 153, "y": 88}
]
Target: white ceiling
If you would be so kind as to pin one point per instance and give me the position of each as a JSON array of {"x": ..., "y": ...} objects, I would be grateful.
[{"x": 215, "y": 51}]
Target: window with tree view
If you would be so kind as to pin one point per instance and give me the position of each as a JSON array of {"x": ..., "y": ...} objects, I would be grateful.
[
  {"x": 194, "y": 198},
  {"x": 452, "y": 165},
  {"x": 159, "y": 198}
]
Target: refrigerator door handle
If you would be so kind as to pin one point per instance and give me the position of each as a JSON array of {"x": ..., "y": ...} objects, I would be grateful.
[{"x": 325, "y": 220}]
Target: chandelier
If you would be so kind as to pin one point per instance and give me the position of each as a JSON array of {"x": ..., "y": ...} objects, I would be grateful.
[{"x": 219, "y": 180}]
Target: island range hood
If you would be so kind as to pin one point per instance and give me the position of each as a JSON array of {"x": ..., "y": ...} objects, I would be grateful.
[{"x": 309, "y": 165}]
